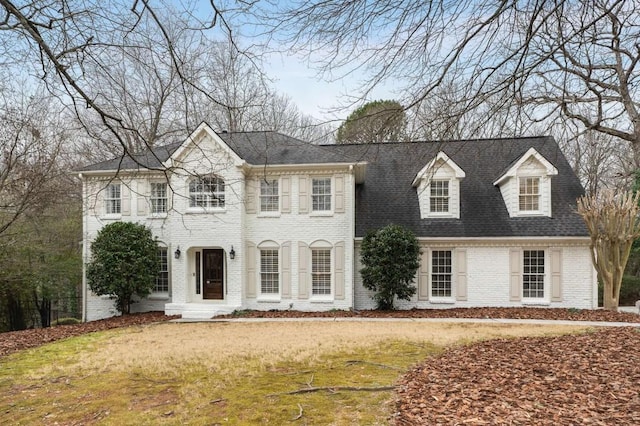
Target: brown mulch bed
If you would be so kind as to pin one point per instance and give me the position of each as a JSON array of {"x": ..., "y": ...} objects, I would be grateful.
[
  {"x": 14, "y": 341},
  {"x": 590, "y": 379},
  {"x": 502, "y": 313}
]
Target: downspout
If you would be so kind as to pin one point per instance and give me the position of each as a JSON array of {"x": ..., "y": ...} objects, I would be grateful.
[
  {"x": 353, "y": 237},
  {"x": 84, "y": 248}
]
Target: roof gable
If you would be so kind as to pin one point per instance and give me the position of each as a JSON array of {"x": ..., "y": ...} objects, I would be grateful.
[
  {"x": 429, "y": 169},
  {"x": 531, "y": 154},
  {"x": 202, "y": 133}
]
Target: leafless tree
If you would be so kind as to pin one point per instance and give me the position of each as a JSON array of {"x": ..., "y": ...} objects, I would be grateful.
[
  {"x": 613, "y": 225},
  {"x": 572, "y": 58},
  {"x": 31, "y": 139}
]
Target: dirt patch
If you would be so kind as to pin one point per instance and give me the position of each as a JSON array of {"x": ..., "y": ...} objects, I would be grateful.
[{"x": 566, "y": 380}]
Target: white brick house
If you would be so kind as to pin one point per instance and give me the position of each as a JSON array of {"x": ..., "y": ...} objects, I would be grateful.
[{"x": 259, "y": 220}]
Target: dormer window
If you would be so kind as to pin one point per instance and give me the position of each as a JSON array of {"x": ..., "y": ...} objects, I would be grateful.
[
  {"x": 438, "y": 188},
  {"x": 529, "y": 196},
  {"x": 526, "y": 185},
  {"x": 439, "y": 198}
]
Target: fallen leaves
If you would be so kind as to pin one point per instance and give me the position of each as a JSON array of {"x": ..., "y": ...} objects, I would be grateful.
[{"x": 566, "y": 380}]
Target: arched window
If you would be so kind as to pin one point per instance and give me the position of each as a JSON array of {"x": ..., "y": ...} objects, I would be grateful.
[{"x": 206, "y": 192}]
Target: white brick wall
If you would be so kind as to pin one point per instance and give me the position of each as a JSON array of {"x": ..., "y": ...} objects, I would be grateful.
[{"x": 488, "y": 276}]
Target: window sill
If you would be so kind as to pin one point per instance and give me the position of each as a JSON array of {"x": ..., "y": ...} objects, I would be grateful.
[
  {"x": 442, "y": 301},
  {"x": 111, "y": 217},
  {"x": 266, "y": 299},
  {"x": 319, "y": 300},
  {"x": 159, "y": 296},
  {"x": 196, "y": 210},
  {"x": 158, "y": 216},
  {"x": 269, "y": 214},
  {"x": 535, "y": 302},
  {"x": 321, "y": 213}
]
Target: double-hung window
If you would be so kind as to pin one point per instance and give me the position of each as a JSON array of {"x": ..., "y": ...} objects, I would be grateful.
[
  {"x": 321, "y": 194},
  {"x": 441, "y": 273},
  {"x": 529, "y": 194},
  {"x": 162, "y": 279},
  {"x": 206, "y": 192},
  {"x": 320, "y": 272},
  {"x": 533, "y": 274},
  {"x": 269, "y": 196},
  {"x": 269, "y": 272},
  {"x": 439, "y": 196},
  {"x": 112, "y": 199},
  {"x": 158, "y": 197}
]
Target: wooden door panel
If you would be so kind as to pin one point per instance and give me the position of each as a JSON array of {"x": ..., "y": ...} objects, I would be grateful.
[{"x": 213, "y": 274}]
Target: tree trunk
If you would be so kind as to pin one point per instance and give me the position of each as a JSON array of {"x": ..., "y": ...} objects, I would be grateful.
[{"x": 16, "y": 314}]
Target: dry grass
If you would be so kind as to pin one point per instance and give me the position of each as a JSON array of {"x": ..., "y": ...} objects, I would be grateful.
[
  {"x": 227, "y": 373},
  {"x": 168, "y": 345}
]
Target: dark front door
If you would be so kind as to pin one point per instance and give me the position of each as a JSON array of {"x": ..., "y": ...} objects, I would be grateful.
[{"x": 212, "y": 274}]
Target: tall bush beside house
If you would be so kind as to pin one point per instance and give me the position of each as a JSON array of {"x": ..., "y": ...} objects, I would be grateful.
[
  {"x": 391, "y": 257},
  {"x": 124, "y": 263}
]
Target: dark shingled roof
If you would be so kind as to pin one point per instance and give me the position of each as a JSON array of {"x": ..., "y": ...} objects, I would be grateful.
[
  {"x": 255, "y": 148},
  {"x": 387, "y": 196}
]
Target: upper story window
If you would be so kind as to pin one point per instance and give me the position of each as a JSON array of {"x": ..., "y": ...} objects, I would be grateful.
[
  {"x": 439, "y": 196},
  {"x": 158, "y": 197},
  {"x": 162, "y": 279},
  {"x": 112, "y": 199},
  {"x": 526, "y": 186},
  {"x": 438, "y": 188},
  {"x": 533, "y": 274},
  {"x": 269, "y": 196},
  {"x": 207, "y": 192},
  {"x": 269, "y": 272},
  {"x": 321, "y": 194},
  {"x": 529, "y": 194}
]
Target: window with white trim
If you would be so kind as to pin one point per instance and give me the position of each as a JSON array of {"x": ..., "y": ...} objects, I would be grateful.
[
  {"x": 320, "y": 272},
  {"x": 162, "y": 279},
  {"x": 529, "y": 194},
  {"x": 206, "y": 192},
  {"x": 158, "y": 197},
  {"x": 269, "y": 196},
  {"x": 269, "y": 272},
  {"x": 441, "y": 273},
  {"x": 112, "y": 199},
  {"x": 321, "y": 194},
  {"x": 533, "y": 274},
  {"x": 439, "y": 196}
]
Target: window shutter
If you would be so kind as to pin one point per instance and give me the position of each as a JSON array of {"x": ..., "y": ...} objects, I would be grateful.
[
  {"x": 125, "y": 196},
  {"x": 142, "y": 196},
  {"x": 461, "y": 274},
  {"x": 285, "y": 194},
  {"x": 515, "y": 286},
  {"x": 303, "y": 276},
  {"x": 339, "y": 194},
  {"x": 303, "y": 190},
  {"x": 251, "y": 269},
  {"x": 99, "y": 200},
  {"x": 423, "y": 275},
  {"x": 339, "y": 270},
  {"x": 285, "y": 252},
  {"x": 250, "y": 202},
  {"x": 556, "y": 275}
]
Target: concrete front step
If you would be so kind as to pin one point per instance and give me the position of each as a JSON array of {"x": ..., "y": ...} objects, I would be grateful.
[{"x": 198, "y": 310}]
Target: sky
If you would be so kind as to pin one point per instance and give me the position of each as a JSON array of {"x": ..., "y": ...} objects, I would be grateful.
[{"x": 313, "y": 95}]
